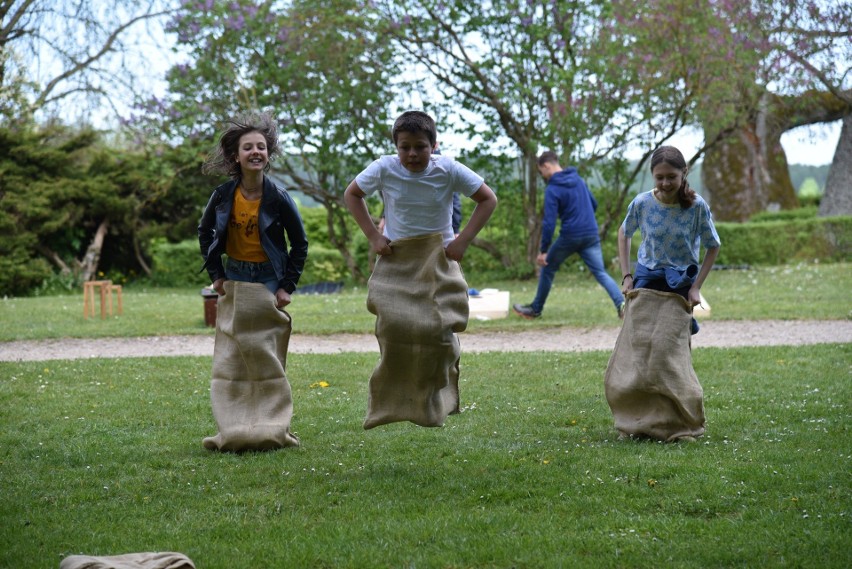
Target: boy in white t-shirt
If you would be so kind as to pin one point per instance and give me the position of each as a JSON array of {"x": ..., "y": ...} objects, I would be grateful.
[
  {"x": 418, "y": 187},
  {"x": 417, "y": 290}
]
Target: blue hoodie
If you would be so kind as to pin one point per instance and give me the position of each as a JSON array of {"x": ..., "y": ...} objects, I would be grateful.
[{"x": 568, "y": 197}]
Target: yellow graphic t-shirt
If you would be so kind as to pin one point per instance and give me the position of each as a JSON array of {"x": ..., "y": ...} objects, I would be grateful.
[{"x": 243, "y": 232}]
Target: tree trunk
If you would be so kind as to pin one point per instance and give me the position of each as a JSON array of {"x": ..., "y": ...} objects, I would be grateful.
[
  {"x": 531, "y": 208},
  {"x": 64, "y": 269},
  {"x": 746, "y": 172},
  {"x": 89, "y": 266},
  {"x": 837, "y": 199},
  {"x": 137, "y": 251}
]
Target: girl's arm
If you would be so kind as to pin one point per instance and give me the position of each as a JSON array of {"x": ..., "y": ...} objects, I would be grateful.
[
  {"x": 624, "y": 260},
  {"x": 353, "y": 197},
  {"x": 709, "y": 259},
  {"x": 486, "y": 203}
]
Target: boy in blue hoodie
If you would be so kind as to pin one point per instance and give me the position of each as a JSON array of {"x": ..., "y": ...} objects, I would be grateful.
[{"x": 567, "y": 197}]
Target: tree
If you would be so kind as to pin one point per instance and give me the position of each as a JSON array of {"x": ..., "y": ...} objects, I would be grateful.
[
  {"x": 318, "y": 66},
  {"x": 747, "y": 72},
  {"x": 68, "y": 72},
  {"x": 529, "y": 72},
  {"x": 837, "y": 199},
  {"x": 46, "y": 201},
  {"x": 70, "y": 79}
]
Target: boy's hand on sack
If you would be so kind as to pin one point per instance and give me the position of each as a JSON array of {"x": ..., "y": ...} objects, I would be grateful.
[
  {"x": 455, "y": 250},
  {"x": 381, "y": 245}
]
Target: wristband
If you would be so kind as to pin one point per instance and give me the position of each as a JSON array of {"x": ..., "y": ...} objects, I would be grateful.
[{"x": 625, "y": 277}]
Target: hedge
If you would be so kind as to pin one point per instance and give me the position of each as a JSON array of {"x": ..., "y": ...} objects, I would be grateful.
[
  {"x": 774, "y": 242},
  {"x": 779, "y": 242}
]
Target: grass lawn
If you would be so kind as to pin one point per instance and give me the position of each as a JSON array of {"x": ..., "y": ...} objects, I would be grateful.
[
  {"x": 804, "y": 291},
  {"x": 104, "y": 457}
]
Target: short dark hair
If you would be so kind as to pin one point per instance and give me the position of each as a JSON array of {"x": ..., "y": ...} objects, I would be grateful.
[
  {"x": 222, "y": 161},
  {"x": 415, "y": 122},
  {"x": 548, "y": 156}
]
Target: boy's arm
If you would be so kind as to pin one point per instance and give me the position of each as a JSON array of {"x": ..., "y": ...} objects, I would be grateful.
[
  {"x": 486, "y": 202},
  {"x": 353, "y": 197}
]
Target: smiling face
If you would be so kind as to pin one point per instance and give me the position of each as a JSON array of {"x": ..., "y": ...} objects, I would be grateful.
[
  {"x": 252, "y": 153},
  {"x": 414, "y": 150},
  {"x": 667, "y": 181}
]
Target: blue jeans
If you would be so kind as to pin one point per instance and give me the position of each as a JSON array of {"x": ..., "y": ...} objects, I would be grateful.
[
  {"x": 668, "y": 280},
  {"x": 248, "y": 272},
  {"x": 589, "y": 249}
]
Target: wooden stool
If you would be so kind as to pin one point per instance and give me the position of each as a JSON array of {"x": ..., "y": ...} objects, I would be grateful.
[
  {"x": 104, "y": 288},
  {"x": 117, "y": 289}
]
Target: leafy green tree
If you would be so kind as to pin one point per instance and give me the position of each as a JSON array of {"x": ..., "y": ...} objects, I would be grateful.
[
  {"x": 318, "y": 65},
  {"x": 528, "y": 73},
  {"x": 43, "y": 187},
  {"x": 71, "y": 202}
]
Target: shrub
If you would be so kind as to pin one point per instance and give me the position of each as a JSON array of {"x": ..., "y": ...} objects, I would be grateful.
[
  {"x": 316, "y": 227},
  {"x": 323, "y": 265},
  {"x": 778, "y": 242},
  {"x": 806, "y": 212},
  {"x": 177, "y": 264}
]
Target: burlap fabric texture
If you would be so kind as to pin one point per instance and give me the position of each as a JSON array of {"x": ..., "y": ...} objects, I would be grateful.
[
  {"x": 160, "y": 560},
  {"x": 420, "y": 301},
  {"x": 650, "y": 384},
  {"x": 249, "y": 391}
]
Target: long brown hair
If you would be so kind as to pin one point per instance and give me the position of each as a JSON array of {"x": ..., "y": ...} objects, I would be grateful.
[
  {"x": 223, "y": 159},
  {"x": 673, "y": 157}
]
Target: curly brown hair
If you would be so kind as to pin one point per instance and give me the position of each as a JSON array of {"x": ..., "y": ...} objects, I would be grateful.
[{"x": 223, "y": 159}]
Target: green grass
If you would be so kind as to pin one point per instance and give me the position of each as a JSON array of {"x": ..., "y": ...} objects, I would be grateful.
[
  {"x": 104, "y": 457},
  {"x": 805, "y": 291}
]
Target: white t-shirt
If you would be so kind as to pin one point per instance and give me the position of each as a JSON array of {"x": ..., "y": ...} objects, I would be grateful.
[{"x": 418, "y": 203}]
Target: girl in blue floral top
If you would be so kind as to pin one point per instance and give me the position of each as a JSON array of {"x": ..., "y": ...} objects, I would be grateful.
[{"x": 674, "y": 222}]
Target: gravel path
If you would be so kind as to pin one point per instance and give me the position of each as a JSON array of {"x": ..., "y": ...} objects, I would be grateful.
[{"x": 713, "y": 334}]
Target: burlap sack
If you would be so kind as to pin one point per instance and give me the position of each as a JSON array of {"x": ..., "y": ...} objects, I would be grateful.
[
  {"x": 650, "y": 383},
  {"x": 161, "y": 560},
  {"x": 420, "y": 301},
  {"x": 249, "y": 392}
]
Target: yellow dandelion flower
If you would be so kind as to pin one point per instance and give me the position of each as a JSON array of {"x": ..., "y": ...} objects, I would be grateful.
[{"x": 652, "y": 482}]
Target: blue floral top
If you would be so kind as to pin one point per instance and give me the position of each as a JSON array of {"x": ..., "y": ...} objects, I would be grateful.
[{"x": 671, "y": 236}]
